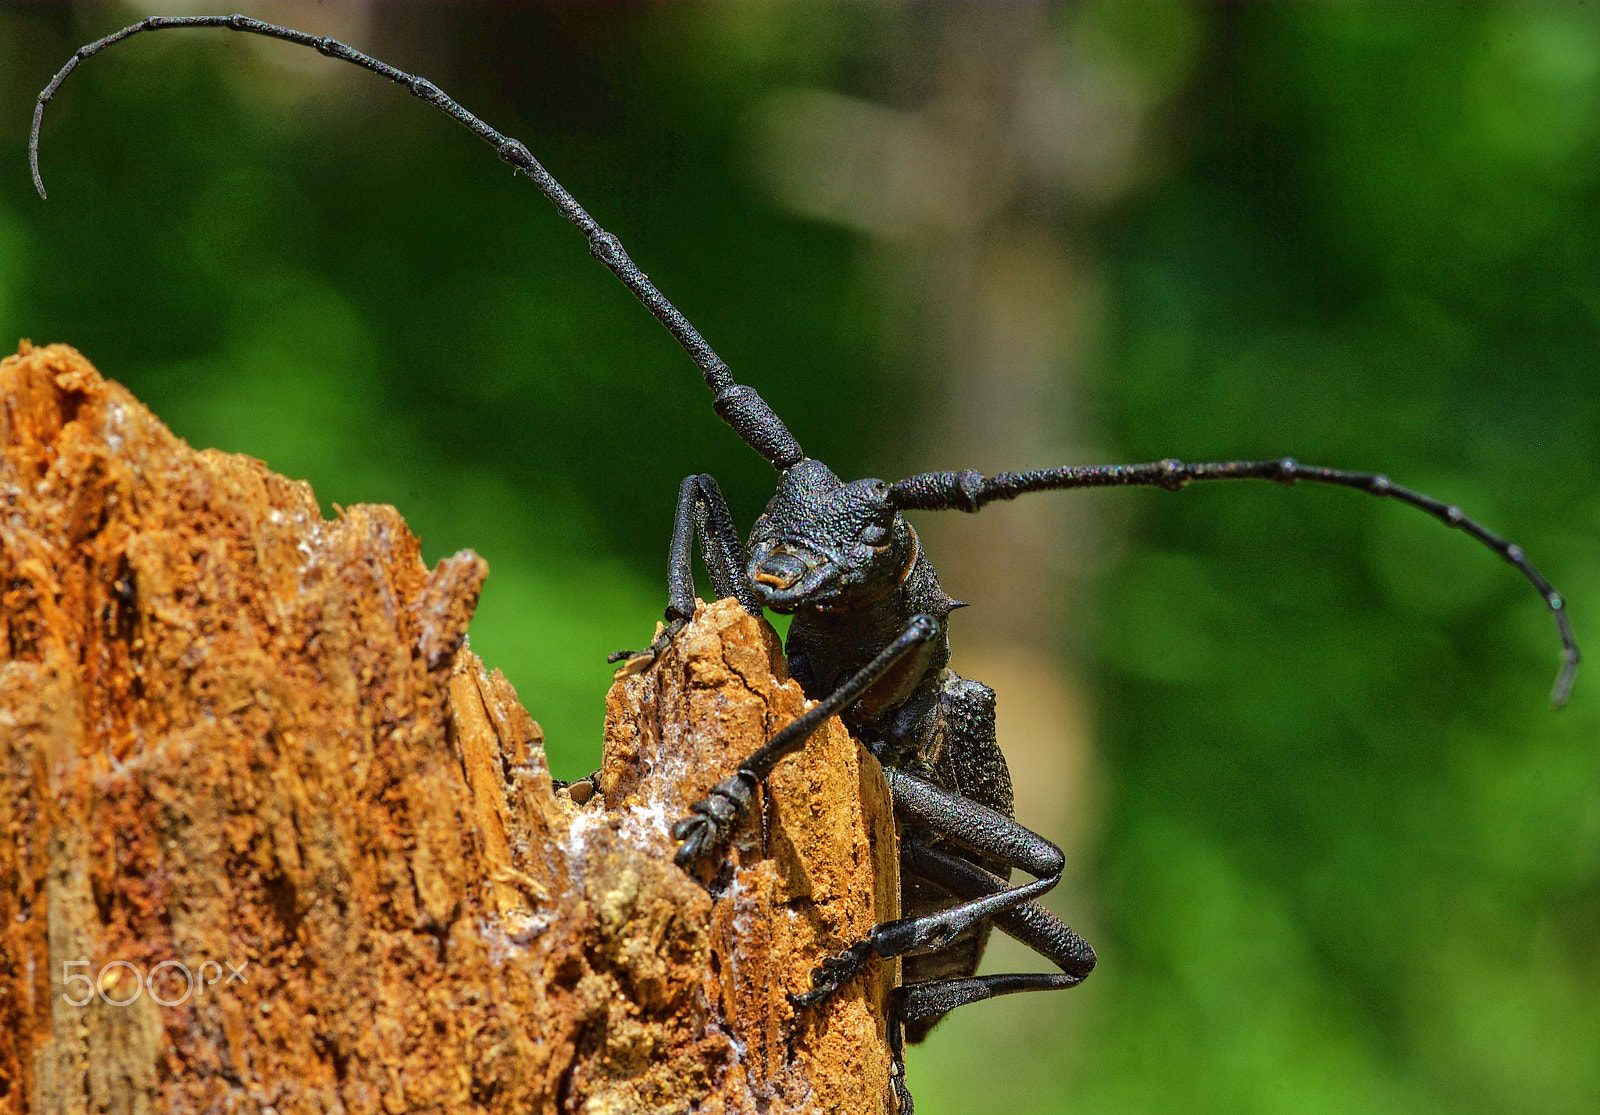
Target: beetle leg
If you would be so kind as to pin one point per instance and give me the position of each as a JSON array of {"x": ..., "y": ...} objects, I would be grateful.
[
  {"x": 702, "y": 510},
  {"x": 1029, "y": 923},
  {"x": 984, "y": 895},
  {"x": 897, "y": 1064},
  {"x": 713, "y": 816}
]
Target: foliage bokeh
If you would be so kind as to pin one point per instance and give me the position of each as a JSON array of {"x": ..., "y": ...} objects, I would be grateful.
[{"x": 1348, "y": 860}]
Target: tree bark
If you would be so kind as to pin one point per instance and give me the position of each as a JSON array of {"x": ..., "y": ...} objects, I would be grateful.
[{"x": 272, "y": 839}]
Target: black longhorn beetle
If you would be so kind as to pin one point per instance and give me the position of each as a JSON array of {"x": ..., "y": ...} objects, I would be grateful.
[{"x": 868, "y": 639}]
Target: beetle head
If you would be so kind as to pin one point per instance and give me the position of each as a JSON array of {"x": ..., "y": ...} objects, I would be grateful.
[{"x": 825, "y": 543}]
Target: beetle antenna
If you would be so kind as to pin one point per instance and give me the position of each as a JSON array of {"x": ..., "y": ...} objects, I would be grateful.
[
  {"x": 970, "y": 490},
  {"x": 740, "y": 406}
]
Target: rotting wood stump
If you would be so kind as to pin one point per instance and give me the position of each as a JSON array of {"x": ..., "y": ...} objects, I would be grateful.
[{"x": 272, "y": 839}]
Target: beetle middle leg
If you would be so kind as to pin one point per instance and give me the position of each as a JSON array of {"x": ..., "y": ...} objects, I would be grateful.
[
  {"x": 1029, "y": 923},
  {"x": 915, "y": 1008},
  {"x": 984, "y": 896},
  {"x": 935, "y": 815}
]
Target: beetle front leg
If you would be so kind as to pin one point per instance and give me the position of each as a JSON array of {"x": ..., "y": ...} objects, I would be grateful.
[
  {"x": 706, "y": 831},
  {"x": 702, "y": 511},
  {"x": 714, "y": 814}
]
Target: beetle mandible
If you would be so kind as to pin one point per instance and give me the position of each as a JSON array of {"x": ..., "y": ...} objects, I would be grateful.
[{"x": 868, "y": 640}]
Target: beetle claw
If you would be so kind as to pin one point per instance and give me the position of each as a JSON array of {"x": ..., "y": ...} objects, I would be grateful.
[
  {"x": 832, "y": 974},
  {"x": 711, "y": 823}
]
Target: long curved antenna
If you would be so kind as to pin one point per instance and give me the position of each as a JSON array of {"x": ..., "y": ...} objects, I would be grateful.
[
  {"x": 740, "y": 406},
  {"x": 970, "y": 490}
]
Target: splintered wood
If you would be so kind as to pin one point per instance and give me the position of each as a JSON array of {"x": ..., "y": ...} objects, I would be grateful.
[{"x": 273, "y": 840}]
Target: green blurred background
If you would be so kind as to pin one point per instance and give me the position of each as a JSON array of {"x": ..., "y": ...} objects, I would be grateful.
[{"x": 1334, "y": 848}]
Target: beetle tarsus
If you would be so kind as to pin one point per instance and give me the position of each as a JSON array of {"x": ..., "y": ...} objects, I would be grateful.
[{"x": 833, "y": 973}]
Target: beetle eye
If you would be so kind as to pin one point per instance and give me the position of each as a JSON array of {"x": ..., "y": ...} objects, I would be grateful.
[{"x": 874, "y": 535}]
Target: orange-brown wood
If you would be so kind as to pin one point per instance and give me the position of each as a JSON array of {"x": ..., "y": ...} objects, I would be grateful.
[{"x": 299, "y": 850}]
